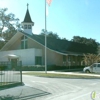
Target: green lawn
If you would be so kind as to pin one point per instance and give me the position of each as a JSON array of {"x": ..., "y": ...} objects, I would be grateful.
[
  {"x": 53, "y": 75},
  {"x": 5, "y": 83}
]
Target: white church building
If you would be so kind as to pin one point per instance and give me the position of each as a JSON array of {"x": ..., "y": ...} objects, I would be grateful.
[{"x": 30, "y": 48}]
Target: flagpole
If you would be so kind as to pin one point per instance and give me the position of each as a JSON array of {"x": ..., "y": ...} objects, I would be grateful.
[{"x": 45, "y": 41}]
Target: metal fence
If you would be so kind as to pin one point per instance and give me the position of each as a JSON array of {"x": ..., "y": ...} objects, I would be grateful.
[{"x": 10, "y": 74}]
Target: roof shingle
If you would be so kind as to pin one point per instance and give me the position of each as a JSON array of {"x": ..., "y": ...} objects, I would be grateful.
[
  {"x": 27, "y": 17},
  {"x": 63, "y": 46}
]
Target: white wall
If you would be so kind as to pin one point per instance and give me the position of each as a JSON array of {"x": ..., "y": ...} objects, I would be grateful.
[
  {"x": 27, "y": 56},
  {"x": 29, "y": 31}
]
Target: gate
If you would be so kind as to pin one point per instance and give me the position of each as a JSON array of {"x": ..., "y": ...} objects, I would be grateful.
[{"x": 10, "y": 73}]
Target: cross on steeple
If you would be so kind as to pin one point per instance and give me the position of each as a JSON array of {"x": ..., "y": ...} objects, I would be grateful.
[{"x": 27, "y": 5}]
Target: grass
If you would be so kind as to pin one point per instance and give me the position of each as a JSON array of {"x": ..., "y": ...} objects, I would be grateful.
[
  {"x": 53, "y": 75},
  {"x": 5, "y": 83}
]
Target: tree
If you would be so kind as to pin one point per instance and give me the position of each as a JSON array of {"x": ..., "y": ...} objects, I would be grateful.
[
  {"x": 89, "y": 59},
  {"x": 84, "y": 40},
  {"x": 53, "y": 35},
  {"x": 8, "y": 24},
  {"x": 50, "y": 34},
  {"x": 42, "y": 32},
  {"x": 64, "y": 39},
  {"x": 98, "y": 49},
  {"x": 88, "y": 42}
]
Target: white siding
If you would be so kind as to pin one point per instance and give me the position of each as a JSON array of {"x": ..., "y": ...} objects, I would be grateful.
[{"x": 27, "y": 56}]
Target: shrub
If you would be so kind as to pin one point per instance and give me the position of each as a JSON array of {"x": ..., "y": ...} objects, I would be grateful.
[{"x": 3, "y": 67}]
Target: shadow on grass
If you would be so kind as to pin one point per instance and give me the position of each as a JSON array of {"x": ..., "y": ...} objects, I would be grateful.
[{"x": 25, "y": 93}]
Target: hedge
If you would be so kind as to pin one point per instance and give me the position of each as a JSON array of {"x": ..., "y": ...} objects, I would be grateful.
[{"x": 53, "y": 67}]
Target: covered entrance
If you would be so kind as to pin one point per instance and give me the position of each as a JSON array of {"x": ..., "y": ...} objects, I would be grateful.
[
  {"x": 13, "y": 59},
  {"x": 13, "y": 63}
]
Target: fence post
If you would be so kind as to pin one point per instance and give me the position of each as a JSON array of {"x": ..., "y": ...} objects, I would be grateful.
[{"x": 21, "y": 71}]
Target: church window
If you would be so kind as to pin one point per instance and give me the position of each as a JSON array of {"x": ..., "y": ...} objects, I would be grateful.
[
  {"x": 29, "y": 26},
  {"x": 25, "y": 26},
  {"x": 24, "y": 42}
]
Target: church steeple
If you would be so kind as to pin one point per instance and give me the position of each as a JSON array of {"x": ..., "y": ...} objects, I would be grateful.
[{"x": 27, "y": 23}]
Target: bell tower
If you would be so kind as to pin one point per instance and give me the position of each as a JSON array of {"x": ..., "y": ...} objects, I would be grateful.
[{"x": 27, "y": 23}]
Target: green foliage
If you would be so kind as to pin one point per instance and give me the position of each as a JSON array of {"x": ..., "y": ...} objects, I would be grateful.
[
  {"x": 7, "y": 21},
  {"x": 3, "y": 67},
  {"x": 84, "y": 40},
  {"x": 60, "y": 75},
  {"x": 53, "y": 35},
  {"x": 8, "y": 25},
  {"x": 33, "y": 68},
  {"x": 49, "y": 34},
  {"x": 88, "y": 42},
  {"x": 98, "y": 51},
  {"x": 42, "y": 32},
  {"x": 64, "y": 39}
]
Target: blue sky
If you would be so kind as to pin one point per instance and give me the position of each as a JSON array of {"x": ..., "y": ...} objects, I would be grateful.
[{"x": 67, "y": 18}]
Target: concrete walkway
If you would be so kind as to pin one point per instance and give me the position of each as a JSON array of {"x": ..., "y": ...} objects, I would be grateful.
[{"x": 21, "y": 93}]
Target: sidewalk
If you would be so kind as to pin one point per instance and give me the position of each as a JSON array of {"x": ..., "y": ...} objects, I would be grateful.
[{"x": 21, "y": 93}]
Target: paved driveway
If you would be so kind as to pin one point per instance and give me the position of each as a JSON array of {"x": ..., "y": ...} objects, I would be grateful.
[
  {"x": 40, "y": 88},
  {"x": 64, "y": 89}
]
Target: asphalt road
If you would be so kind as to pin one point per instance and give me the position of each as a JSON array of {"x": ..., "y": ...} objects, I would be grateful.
[{"x": 64, "y": 89}]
